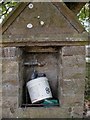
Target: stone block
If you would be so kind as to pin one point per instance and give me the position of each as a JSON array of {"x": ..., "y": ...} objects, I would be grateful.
[
  {"x": 0, "y": 89},
  {"x": 73, "y": 86},
  {"x": 73, "y": 92},
  {"x": 19, "y": 52},
  {"x": 10, "y": 67},
  {"x": 78, "y": 111},
  {"x": 0, "y": 52},
  {"x": 22, "y": 113},
  {"x": 74, "y": 73},
  {"x": 1, "y": 102},
  {"x": 0, "y": 74},
  {"x": 10, "y": 102},
  {"x": 11, "y": 80},
  {"x": 0, "y": 113},
  {"x": 0, "y": 80},
  {"x": 69, "y": 100},
  {"x": 9, "y": 52},
  {"x": 10, "y": 88},
  {"x": 10, "y": 77},
  {"x": 73, "y": 67},
  {"x": 0, "y": 97},
  {"x": 88, "y": 51},
  {"x": 71, "y": 61},
  {"x": 50, "y": 113},
  {"x": 73, "y": 50},
  {"x": 6, "y": 113},
  {"x": 54, "y": 112},
  {"x": 0, "y": 65}
]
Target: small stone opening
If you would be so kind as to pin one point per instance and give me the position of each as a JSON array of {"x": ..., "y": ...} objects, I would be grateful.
[{"x": 44, "y": 60}]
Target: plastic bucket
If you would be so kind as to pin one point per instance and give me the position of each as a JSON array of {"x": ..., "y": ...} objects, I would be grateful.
[{"x": 39, "y": 89}]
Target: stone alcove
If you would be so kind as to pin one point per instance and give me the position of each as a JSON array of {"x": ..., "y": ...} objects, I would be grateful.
[{"x": 49, "y": 60}]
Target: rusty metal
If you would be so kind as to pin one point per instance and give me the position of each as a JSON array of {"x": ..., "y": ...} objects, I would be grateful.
[
  {"x": 38, "y": 105},
  {"x": 40, "y": 64}
]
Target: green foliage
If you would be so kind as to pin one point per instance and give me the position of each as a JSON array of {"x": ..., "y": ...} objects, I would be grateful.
[
  {"x": 84, "y": 17},
  {"x": 6, "y": 8}
]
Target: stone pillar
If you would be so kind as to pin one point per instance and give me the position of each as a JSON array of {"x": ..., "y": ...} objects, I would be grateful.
[
  {"x": 10, "y": 80},
  {"x": 73, "y": 65},
  {"x": 0, "y": 83}
]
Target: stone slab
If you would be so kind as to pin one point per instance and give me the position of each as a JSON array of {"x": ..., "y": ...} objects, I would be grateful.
[
  {"x": 73, "y": 50},
  {"x": 73, "y": 67}
]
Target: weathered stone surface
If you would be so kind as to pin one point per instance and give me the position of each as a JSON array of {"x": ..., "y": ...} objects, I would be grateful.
[
  {"x": 0, "y": 52},
  {"x": 0, "y": 89},
  {"x": 0, "y": 101},
  {"x": 9, "y": 82},
  {"x": 73, "y": 67},
  {"x": 72, "y": 93},
  {"x": 10, "y": 89},
  {"x": 9, "y": 52},
  {"x": 10, "y": 67},
  {"x": 70, "y": 100},
  {"x": 0, "y": 72},
  {"x": 42, "y": 112},
  {"x": 50, "y": 113},
  {"x": 88, "y": 51},
  {"x": 9, "y": 102},
  {"x": 73, "y": 50},
  {"x": 6, "y": 113},
  {"x": 78, "y": 111},
  {"x": 54, "y": 22},
  {"x": 0, "y": 113},
  {"x": 10, "y": 77},
  {"x": 73, "y": 86},
  {"x": 71, "y": 61},
  {"x": 38, "y": 113},
  {"x": 10, "y": 85},
  {"x": 75, "y": 72}
]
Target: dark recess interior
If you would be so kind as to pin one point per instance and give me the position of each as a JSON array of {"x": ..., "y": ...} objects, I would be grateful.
[{"x": 49, "y": 65}]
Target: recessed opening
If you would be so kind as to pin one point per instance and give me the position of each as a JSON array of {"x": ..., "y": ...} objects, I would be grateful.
[{"x": 45, "y": 61}]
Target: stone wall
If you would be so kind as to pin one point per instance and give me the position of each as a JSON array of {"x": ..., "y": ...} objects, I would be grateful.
[
  {"x": 73, "y": 65},
  {"x": 0, "y": 83},
  {"x": 72, "y": 83},
  {"x": 10, "y": 80}
]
